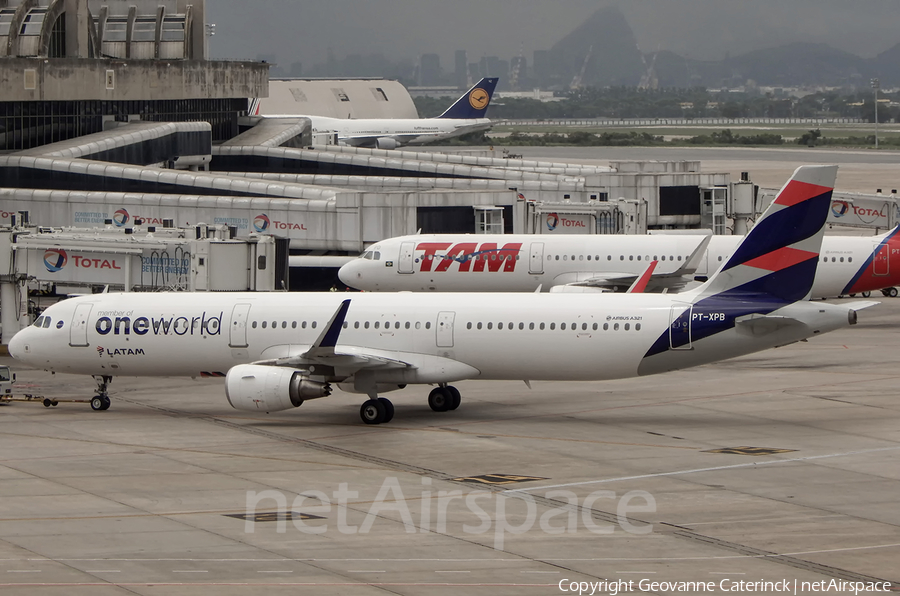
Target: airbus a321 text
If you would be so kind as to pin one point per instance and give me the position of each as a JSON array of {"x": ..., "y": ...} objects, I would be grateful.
[{"x": 278, "y": 350}]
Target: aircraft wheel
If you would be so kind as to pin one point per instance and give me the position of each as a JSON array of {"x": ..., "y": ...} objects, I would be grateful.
[
  {"x": 106, "y": 402},
  {"x": 893, "y": 292},
  {"x": 372, "y": 412},
  {"x": 440, "y": 399},
  {"x": 885, "y": 292},
  {"x": 866, "y": 294},
  {"x": 97, "y": 403},
  {"x": 388, "y": 409},
  {"x": 456, "y": 397},
  {"x": 47, "y": 402},
  {"x": 54, "y": 403}
]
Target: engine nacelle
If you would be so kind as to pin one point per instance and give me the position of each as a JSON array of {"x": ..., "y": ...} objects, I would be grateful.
[
  {"x": 386, "y": 143},
  {"x": 259, "y": 388}
]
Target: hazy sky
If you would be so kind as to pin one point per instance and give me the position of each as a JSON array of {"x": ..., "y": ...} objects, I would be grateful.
[{"x": 302, "y": 31}]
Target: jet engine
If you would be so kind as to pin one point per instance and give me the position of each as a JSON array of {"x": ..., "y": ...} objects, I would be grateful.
[
  {"x": 259, "y": 388},
  {"x": 386, "y": 143}
]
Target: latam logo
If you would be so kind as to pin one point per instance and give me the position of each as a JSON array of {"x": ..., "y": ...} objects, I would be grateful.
[
  {"x": 469, "y": 255},
  {"x": 55, "y": 259},
  {"x": 120, "y": 218},
  {"x": 554, "y": 221},
  {"x": 262, "y": 222}
]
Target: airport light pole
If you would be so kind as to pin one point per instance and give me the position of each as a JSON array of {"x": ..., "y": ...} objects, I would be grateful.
[{"x": 876, "y": 85}]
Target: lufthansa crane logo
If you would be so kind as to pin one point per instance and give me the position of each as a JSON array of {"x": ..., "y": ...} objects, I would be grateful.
[{"x": 479, "y": 98}]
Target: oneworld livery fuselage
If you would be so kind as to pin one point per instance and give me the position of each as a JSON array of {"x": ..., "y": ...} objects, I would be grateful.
[
  {"x": 525, "y": 262},
  {"x": 467, "y": 114},
  {"x": 277, "y": 350}
]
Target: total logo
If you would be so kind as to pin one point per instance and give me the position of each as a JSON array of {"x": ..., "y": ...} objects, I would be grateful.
[
  {"x": 554, "y": 221},
  {"x": 262, "y": 223},
  {"x": 55, "y": 259},
  {"x": 120, "y": 218},
  {"x": 866, "y": 214},
  {"x": 839, "y": 208}
]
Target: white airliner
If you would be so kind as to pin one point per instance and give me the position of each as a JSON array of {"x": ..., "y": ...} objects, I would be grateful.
[
  {"x": 277, "y": 350},
  {"x": 466, "y": 115},
  {"x": 524, "y": 262}
]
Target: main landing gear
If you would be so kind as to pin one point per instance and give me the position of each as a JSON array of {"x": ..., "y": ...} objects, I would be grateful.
[
  {"x": 444, "y": 398},
  {"x": 378, "y": 410},
  {"x": 101, "y": 400}
]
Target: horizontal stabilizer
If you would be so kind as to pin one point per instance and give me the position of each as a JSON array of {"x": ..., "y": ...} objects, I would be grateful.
[
  {"x": 860, "y": 304},
  {"x": 757, "y": 324}
]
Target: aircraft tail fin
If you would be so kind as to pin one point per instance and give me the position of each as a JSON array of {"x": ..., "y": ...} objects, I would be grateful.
[
  {"x": 474, "y": 103},
  {"x": 778, "y": 258}
]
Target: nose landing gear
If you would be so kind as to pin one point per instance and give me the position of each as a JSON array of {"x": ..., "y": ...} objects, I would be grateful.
[{"x": 101, "y": 401}]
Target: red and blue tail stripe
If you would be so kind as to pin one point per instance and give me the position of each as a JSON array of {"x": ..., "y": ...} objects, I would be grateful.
[
  {"x": 775, "y": 265},
  {"x": 867, "y": 279},
  {"x": 784, "y": 244}
]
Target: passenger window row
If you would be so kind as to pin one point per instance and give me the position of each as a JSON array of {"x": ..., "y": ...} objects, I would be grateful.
[
  {"x": 553, "y": 326},
  {"x": 610, "y": 257},
  {"x": 835, "y": 259},
  {"x": 356, "y": 325},
  {"x": 284, "y": 324}
]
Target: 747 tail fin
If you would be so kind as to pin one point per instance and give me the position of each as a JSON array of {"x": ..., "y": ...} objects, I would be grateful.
[
  {"x": 474, "y": 103},
  {"x": 778, "y": 258}
]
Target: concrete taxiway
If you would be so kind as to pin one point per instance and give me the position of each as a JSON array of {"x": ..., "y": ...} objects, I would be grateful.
[{"x": 777, "y": 466}]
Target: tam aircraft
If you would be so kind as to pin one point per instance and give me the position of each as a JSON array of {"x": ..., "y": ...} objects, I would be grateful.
[
  {"x": 277, "y": 350},
  {"x": 592, "y": 262},
  {"x": 467, "y": 114}
]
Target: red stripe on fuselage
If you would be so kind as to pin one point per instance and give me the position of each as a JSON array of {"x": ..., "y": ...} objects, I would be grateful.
[
  {"x": 797, "y": 192},
  {"x": 781, "y": 259}
]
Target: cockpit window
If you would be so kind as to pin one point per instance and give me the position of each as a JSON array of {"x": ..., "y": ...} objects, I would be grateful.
[
  {"x": 39, "y": 322},
  {"x": 377, "y": 256},
  {"x": 47, "y": 322},
  {"x": 366, "y": 255}
]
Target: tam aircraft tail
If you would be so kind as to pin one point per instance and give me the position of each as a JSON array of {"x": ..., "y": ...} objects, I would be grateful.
[
  {"x": 778, "y": 258},
  {"x": 474, "y": 103}
]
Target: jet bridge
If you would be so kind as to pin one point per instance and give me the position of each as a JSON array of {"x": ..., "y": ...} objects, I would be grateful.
[{"x": 139, "y": 258}]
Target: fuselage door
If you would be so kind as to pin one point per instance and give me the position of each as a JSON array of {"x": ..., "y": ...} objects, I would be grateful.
[
  {"x": 536, "y": 258},
  {"x": 445, "y": 329},
  {"x": 78, "y": 330},
  {"x": 237, "y": 337},
  {"x": 680, "y": 326},
  {"x": 407, "y": 252},
  {"x": 881, "y": 259}
]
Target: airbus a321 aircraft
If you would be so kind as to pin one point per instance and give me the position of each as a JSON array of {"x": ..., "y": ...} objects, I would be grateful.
[
  {"x": 467, "y": 114},
  {"x": 277, "y": 350},
  {"x": 524, "y": 262}
]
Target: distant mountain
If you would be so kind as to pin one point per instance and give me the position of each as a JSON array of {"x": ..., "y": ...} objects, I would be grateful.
[
  {"x": 606, "y": 41},
  {"x": 613, "y": 58}
]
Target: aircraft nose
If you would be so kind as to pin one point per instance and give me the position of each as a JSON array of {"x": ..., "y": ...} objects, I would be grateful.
[
  {"x": 350, "y": 273},
  {"x": 18, "y": 346}
]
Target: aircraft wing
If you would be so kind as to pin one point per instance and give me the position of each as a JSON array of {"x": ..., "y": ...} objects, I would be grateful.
[
  {"x": 325, "y": 354},
  {"x": 658, "y": 282},
  {"x": 668, "y": 282}
]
